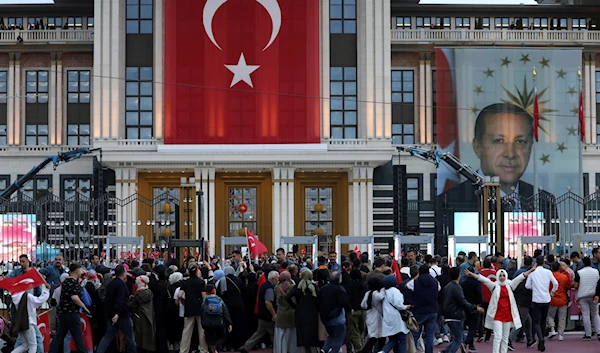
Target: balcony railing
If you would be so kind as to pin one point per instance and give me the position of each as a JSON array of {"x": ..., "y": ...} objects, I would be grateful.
[
  {"x": 502, "y": 36},
  {"x": 47, "y": 36}
]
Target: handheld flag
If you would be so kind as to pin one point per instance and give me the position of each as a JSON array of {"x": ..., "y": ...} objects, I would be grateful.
[
  {"x": 29, "y": 280},
  {"x": 86, "y": 329},
  {"x": 255, "y": 246},
  {"x": 396, "y": 271},
  {"x": 357, "y": 250},
  {"x": 43, "y": 324}
]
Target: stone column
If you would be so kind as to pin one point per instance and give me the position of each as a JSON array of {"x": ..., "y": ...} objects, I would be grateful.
[
  {"x": 276, "y": 204},
  {"x": 19, "y": 101},
  {"x": 52, "y": 101},
  {"x": 60, "y": 119},
  {"x": 10, "y": 101},
  {"x": 593, "y": 119},
  {"x": 428, "y": 101},
  {"x": 422, "y": 138},
  {"x": 587, "y": 98}
]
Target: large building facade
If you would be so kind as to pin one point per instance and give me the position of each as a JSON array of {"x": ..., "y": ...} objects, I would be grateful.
[{"x": 197, "y": 146}]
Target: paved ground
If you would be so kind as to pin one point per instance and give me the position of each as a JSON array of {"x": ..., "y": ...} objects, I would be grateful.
[{"x": 572, "y": 344}]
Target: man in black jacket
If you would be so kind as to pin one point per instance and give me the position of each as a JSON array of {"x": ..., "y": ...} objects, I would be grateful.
[
  {"x": 523, "y": 298},
  {"x": 425, "y": 303},
  {"x": 118, "y": 312},
  {"x": 334, "y": 302},
  {"x": 356, "y": 320},
  {"x": 472, "y": 289},
  {"x": 454, "y": 306}
]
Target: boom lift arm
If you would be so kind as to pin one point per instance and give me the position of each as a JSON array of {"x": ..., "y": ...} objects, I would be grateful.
[
  {"x": 435, "y": 157},
  {"x": 56, "y": 160}
]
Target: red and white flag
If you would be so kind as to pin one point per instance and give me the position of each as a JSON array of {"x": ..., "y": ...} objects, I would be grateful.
[
  {"x": 357, "y": 250},
  {"x": 256, "y": 247},
  {"x": 43, "y": 324},
  {"x": 86, "y": 328},
  {"x": 536, "y": 116},
  {"x": 242, "y": 72},
  {"x": 581, "y": 117},
  {"x": 28, "y": 280}
]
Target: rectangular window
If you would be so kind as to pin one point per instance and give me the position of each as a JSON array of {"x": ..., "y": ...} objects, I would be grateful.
[
  {"x": 462, "y": 22},
  {"x": 343, "y": 93},
  {"x": 35, "y": 23},
  {"x": 434, "y": 100},
  {"x": 138, "y": 103},
  {"x": 38, "y": 187},
  {"x": 501, "y": 23},
  {"x": 55, "y": 23},
  {"x": 521, "y": 22},
  {"x": 3, "y": 108},
  {"x": 442, "y": 23},
  {"x": 243, "y": 204},
  {"x": 78, "y": 108},
  {"x": 540, "y": 23},
  {"x": 71, "y": 185},
  {"x": 598, "y": 104},
  {"x": 342, "y": 16},
  {"x": 15, "y": 23},
  {"x": 414, "y": 189},
  {"x": 139, "y": 14},
  {"x": 74, "y": 23},
  {"x": 318, "y": 213},
  {"x": 403, "y": 108},
  {"x": 90, "y": 23},
  {"x": 423, "y": 22},
  {"x": 4, "y": 182},
  {"x": 403, "y": 23},
  {"x": 558, "y": 23},
  {"x": 36, "y": 108},
  {"x": 579, "y": 24},
  {"x": 586, "y": 184}
]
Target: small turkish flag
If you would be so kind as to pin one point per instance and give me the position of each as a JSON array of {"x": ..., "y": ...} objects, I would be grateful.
[
  {"x": 28, "y": 280},
  {"x": 43, "y": 324},
  {"x": 86, "y": 329},
  {"x": 357, "y": 250},
  {"x": 256, "y": 247},
  {"x": 303, "y": 251}
]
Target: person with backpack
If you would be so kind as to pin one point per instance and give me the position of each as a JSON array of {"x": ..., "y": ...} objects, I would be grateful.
[{"x": 215, "y": 318}]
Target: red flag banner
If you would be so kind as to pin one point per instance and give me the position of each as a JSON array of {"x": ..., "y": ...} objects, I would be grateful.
[
  {"x": 536, "y": 116},
  {"x": 261, "y": 281},
  {"x": 28, "y": 280},
  {"x": 581, "y": 117},
  {"x": 241, "y": 72},
  {"x": 43, "y": 323},
  {"x": 396, "y": 271},
  {"x": 86, "y": 328},
  {"x": 357, "y": 250},
  {"x": 256, "y": 246}
]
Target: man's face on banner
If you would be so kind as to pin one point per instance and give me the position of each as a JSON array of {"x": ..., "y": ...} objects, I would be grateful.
[{"x": 505, "y": 147}]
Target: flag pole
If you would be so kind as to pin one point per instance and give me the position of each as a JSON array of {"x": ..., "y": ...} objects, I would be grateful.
[
  {"x": 536, "y": 132},
  {"x": 580, "y": 123}
]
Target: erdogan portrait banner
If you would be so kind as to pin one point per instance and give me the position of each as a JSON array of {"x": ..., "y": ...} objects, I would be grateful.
[{"x": 242, "y": 72}]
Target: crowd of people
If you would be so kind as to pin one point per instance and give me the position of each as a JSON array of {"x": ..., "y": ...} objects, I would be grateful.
[{"x": 294, "y": 305}]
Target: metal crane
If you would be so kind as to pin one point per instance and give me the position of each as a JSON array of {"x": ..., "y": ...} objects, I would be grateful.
[
  {"x": 434, "y": 156},
  {"x": 56, "y": 160}
]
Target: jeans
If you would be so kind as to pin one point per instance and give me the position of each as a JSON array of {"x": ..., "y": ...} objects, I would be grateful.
[
  {"x": 501, "y": 331},
  {"x": 540, "y": 314},
  {"x": 396, "y": 342},
  {"x": 456, "y": 329},
  {"x": 29, "y": 341},
  {"x": 562, "y": 318},
  {"x": 38, "y": 337},
  {"x": 440, "y": 328},
  {"x": 356, "y": 326},
  {"x": 335, "y": 340},
  {"x": 473, "y": 327},
  {"x": 526, "y": 328},
  {"x": 427, "y": 324},
  {"x": 68, "y": 322},
  {"x": 589, "y": 309},
  {"x": 126, "y": 326}
]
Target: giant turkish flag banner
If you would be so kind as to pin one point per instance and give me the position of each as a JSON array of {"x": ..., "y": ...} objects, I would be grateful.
[{"x": 241, "y": 72}]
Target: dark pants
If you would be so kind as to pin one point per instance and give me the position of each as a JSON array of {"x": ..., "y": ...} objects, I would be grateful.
[
  {"x": 373, "y": 342},
  {"x": 126, "y": 326},
  {"x": 215, "y": 336},
  {"x": 473, "y": 327},
  {"x": 427, "y": 324},
  {"x": 525, "y": 329},
  {"x": 335, "y": 340},
  {"x": 396, "y": 342},
  {"x": 68, "y": 322},
  {"x": 457, "y": 331},
  {"x": 482, "y": 329},
  {"x": 540, "y": 314}
]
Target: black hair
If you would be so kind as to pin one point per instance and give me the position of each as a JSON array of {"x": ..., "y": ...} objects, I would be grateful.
[
  {"x": 594, "y": 251},
  {"x": 423, "y": 270},
  {"x": 321, "y": 259},
  {"x": 539, "y": 260},
  {"x": 487, "y": 262},
  {"x": 374, "y": 284},
  {"x": 119, "y": 270},
  {"x": 404, "y": 262},
  {"x": 586, "y": 261},
  {"x": 575, "y": 254},
  {"x": 352, "y": 256},
  {"x": 280, "y": 250},
  {"x": 555, "y": 266},
  {"x": 550, "y": 258},
  {"x": 236, "y": 252},
  {"x": 500, "y": 108},
  {"x": 461, "y": 253},
  {"x": 378, "y": 262},
  {"x": 332, "y": 252},
  {"x": 23, "y": 256},
  {"x": 472, "y": 255},
  {"x": 498, "y": 254},
  {"x": 454, "y": 273},
  {"x": 528, "y": 261}
]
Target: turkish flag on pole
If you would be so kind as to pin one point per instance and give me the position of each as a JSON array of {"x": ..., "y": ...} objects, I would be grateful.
[
  {"x": 43, "y": 323},
  {"x": 86, "y": 328},
  {"x": 581, "y": 117},
  {"x": 536, "y": 116},
  {"x": 28, "y": 280},
  {"x": 357, "y": 250},
  {"x": 255, "y": 246},
  {"x": 396, "y": 271},
  {"x": 242, "y": 72}
]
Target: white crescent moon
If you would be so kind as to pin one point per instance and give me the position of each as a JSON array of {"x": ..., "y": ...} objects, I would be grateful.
[
  {"x": 272, "y": 7},
  {"x": 208, "y": 14}
]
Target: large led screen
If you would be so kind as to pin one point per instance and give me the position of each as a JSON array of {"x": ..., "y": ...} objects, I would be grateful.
[{"x": 17, "y": 236}]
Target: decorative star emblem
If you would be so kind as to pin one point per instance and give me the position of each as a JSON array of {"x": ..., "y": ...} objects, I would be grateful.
[
  {"x": 524, "y": 58},
  {"x": 572, "y": 131},
  {"x": 560, "y": 74},
  {"x": 571, "y": 91},
  {"x": 575, "y": 110},
  {"x": 545, "y": 158},
  {"x": 489, "y": 73},
  {"x": 561, "y": 147},
  {"x": 474, "y": 109},
  {"x": 242, "y": 71},
  {"x": 478, "y": 90},
  {"x": 505, "y": 61},
  {"x": 545, "y": 62}
]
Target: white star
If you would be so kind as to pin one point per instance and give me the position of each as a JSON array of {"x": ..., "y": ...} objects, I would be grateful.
[{"x": 241, "y": 71}]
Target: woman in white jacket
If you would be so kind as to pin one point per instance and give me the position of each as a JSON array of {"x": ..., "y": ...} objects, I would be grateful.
[
  {"x": 372, "y": 303},
  {"x": 394, "y": 328},
  {"x": 503, "y": 312}
]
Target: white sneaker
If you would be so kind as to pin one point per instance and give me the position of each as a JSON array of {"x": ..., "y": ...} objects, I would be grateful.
[
  {"x": 561, "y": 337},
  {"x": 439, "y": 341},
  {"x": 263, "y": 346},
  {"x": 552, "y": 334},
  {"x": 446, "y": 339}
]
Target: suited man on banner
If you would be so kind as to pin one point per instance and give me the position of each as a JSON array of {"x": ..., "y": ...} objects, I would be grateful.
[{"x": 503, "y": 142}]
